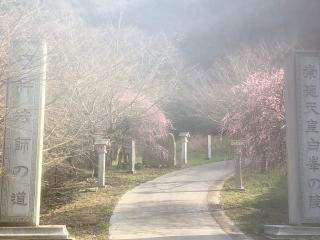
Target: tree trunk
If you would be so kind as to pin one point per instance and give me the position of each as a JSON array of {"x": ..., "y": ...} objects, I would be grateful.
[{"x": 264, "y": 163}]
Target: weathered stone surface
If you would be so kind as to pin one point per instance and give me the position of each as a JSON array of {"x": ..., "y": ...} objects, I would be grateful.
[
  {"x": 302, "y": 104},
  {"x": 184, "y": 147},
  {"x": 101, "y": 149},
  {"x": 238, "y": 175},
  {"x": 237, "y": 144},
  {"x": 22, "y": 165},
  {"x": 172, "y": 150},
  {"x": 20, "y": 188},
  {"x": 303, "y": 137},
  {"x": 56, "y": 232},
  {"x": 286, "y": 231},
  {"x": 209, "y": 146},
  {"x": 132, "y": 156}
]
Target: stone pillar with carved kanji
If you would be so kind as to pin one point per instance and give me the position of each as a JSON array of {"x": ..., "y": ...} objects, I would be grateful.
[
  {"x": 184, "y": 138},
  {"x": 302, "y": 108},
  {"x": 100, "y": 146},
  {"x": 23, "y": 141}
]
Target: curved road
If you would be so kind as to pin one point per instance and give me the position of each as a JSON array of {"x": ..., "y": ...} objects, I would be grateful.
[{"x": 171, "y": 207}]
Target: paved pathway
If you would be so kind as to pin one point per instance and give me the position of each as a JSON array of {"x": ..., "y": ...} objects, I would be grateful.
[{"x": 171, "y": 207}]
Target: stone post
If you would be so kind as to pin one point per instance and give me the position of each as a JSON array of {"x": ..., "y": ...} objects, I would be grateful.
[
  {"x": 238, "y": 174},
  {"x": 302, "y": 138},
  {"x": 21, "y": 183},
  {"x": 209, "y": 146},
  {"x": 172, "y": 150},
  {"x": 238, "y": 155},
  {"x": 302, "y": 104},
  {"x": 132, "y": 157},
  {"x": 184, "y": 151},
  {"x": 23, "y": 141},
  {"x": 184, "y": 147},
  {"x": 100, "y": 146},
  {"x": 130, "y": 154}
]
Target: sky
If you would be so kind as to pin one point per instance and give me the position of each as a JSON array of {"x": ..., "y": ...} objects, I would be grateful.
[{"x": 201, "y": 29}]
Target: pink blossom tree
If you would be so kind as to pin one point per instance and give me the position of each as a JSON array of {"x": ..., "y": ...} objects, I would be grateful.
[
  {"x": 142, "y": 118},
  {"x": 257, "y": 116}
]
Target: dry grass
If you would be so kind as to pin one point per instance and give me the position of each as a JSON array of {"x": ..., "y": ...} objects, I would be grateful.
[
  {"x": 264, "y": 202},
  {"x": 87, "y": 214}
]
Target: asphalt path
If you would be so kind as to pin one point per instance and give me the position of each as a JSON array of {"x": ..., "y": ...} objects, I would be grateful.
[{"x": 172, "y": 207}]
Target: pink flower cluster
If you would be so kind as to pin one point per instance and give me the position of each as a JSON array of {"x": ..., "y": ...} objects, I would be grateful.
[
  {"x": 257, "y": 116},
  {"x": 148, "y": 122}
]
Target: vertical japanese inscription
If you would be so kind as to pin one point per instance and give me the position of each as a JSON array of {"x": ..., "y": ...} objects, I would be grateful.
[
  {"x": 308, "y": 102},
  {"x": 20, "y": 190}
]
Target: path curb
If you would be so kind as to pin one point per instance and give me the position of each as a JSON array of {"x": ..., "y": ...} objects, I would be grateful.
[{"x": 217, "y": 212}]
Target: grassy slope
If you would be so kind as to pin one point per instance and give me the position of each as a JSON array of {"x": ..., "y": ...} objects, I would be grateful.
[
  {"x": 263, "y": 202},
  {"x": 87, "y": 214}
]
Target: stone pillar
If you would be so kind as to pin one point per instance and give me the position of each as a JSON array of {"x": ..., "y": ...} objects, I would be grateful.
[
  {"x": 23, "y": 141},
  {"x": 303, "y": 135},
  {"x": 237, "y": 145},
  {"x": 130, "y": 154},
  {"x": 294, "y": 197},
  {"x": 184, "y": 151},
  {"x": 132, "y": 157},
  {"x": 100, "y": 146},
  {"x": 172, "y": 152},
  {"x": 302, "y": 105},
  {"x": 209, "y": 146},
  {"x": 184, "y": 147},
  {"x": 21, "y": 183},
  {"x": 238, "y": 174}
]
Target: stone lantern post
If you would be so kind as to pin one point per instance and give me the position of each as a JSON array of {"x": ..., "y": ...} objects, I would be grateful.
[
  {"x": 100, "y": 146},
  {"x": 238, "y": 175},
  {"x": 184, "y": 147}
]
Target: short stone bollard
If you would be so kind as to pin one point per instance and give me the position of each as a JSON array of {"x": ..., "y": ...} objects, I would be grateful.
[
  {"x": 184, "y": 147},
  {"x": 238, "y": 175},
  {"x": 101, "y": 149},
  {"x": 132, "y": 157},
  {"x": 209, "y": 147},
  {"x": 172, "y": 158},
  {"x": 130, "y": 153}
]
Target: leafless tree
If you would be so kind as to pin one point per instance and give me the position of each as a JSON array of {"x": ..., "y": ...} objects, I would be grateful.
[
  {"x": 100, "y": 82},
  {"x": 206, "y": 93}
]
